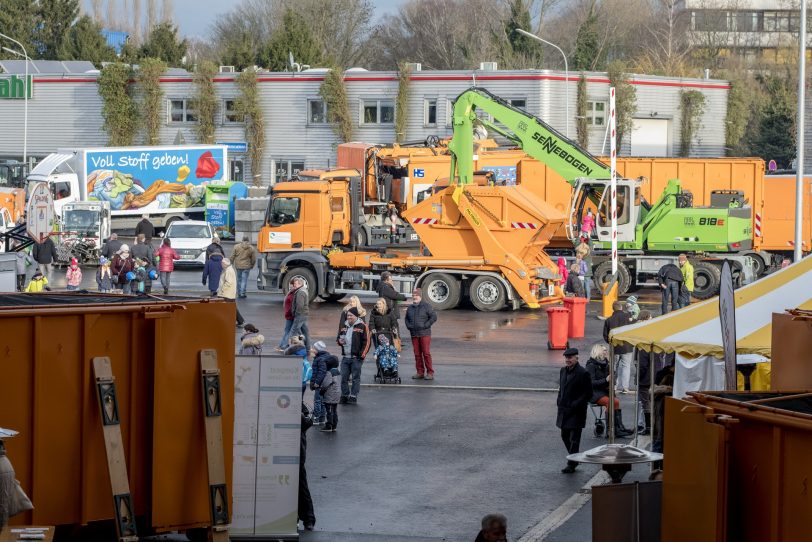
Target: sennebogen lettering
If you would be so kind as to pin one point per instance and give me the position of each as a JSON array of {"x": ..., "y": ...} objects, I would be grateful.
[{"x": 550, "y": 146}]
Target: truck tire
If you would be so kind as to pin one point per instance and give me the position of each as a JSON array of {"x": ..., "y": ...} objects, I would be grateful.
[
  {"x": 441, "y": 291},
  {"x": 487, "y": 293},
  {"x": 707, "y": 278},
  {"x": 603, "y": 272},
  {"x": 307, "y": 276}
]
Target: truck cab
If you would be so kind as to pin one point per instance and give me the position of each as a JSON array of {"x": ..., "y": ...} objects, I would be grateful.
[{"x": 85, "y": 225}]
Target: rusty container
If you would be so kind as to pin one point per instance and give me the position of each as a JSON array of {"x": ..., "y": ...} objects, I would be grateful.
[
  {"x": 737, "y": 467},
  {"x": 47, "y": 393}
]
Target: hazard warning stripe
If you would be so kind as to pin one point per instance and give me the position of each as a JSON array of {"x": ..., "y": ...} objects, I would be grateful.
[
  {"x": 757, "y": 225},
  {"x": 424, "y": 221},
  {"x": 524, "y": 226}
]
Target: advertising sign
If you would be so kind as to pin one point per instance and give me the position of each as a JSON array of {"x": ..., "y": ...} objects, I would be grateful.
[
  {"x": 151, "y": 180},
  {"x": 13, "y": 87},
  {"x": 39, "y": 214},
  {"x": 267, "y": 434}
]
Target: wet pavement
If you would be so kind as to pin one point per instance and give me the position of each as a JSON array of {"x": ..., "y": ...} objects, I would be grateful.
[{"x": 426, "y": 460}]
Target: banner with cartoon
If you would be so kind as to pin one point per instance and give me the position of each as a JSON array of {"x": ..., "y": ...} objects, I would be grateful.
[{"x": 150, "y": 180}]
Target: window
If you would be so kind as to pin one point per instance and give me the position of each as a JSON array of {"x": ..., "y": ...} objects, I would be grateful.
[
  {"x": 596, "y": 113},
  {"x": 285, "y": 168},
  {"x": 317, "y": 112},
  {"x": 188, "y": 231},
  {"x": 284, "y": 211},
  {"x": 231, "y": 114},
  {"x": 378, "y": 112},
  {"x": 710, "y": 20},
  {"x": 181, "y": 111},
  {"x": 746, "y": 21},
  {"x": 336, "y": 205},
  {"x": 430, "y": 112},
  {"x": 60, "y": 189},
  {"x": 780, "y": 21},
  {"x": 519, "y": 103}
]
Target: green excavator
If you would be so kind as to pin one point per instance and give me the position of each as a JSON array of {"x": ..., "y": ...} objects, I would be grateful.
[{"x": 649, "y": 235}]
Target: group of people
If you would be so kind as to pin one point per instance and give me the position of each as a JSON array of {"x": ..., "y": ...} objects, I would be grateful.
[{"x": 576, "y": 279}]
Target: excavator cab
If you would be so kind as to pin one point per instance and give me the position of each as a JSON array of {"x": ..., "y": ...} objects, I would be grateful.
[{"x": 595, "y": 195}]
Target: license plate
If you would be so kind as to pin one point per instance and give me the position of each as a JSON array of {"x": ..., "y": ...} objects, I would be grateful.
[{"x": 186, "y": 257}]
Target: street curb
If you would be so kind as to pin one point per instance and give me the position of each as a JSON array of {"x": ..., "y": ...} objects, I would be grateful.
[{"x": 461, "y": 388}]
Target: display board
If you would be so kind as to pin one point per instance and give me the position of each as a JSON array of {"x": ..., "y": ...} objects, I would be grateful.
[{"x": 267, "y": 434}]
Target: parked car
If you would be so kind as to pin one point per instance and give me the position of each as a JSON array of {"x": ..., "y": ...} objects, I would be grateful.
[{"x": 189, "y": 239}]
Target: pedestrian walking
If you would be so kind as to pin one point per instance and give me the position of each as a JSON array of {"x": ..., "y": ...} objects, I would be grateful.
[
  {"x": 244, "y": 258},
  {"x": 228, "y": 287},
  {"x": 26, "y": 265},
  {"x": 330, "y": 394},
  {"x": 143, "y": 250},
  {"x": 212, "y": 270},
  {"x": 112, "y": 246},
  {"x": 300, "y": 310},
  {"x": 644, "y": 379},
  {"x": 355, "y": 303},
  {"x": 166, "y": 257},
  {"x": 45, "y": 255},
  {"x": 687, "y": 287},
  {"x": 420, "y": 316},
  {"x": 287, "y": 306},
  {"x": 251, "y": 341},
  {"x": 73, "y": 275},
  {"x": 122, "y": 268},
  {"x": 598, "y": 368},
  {"x": 145, "y": 228},
  {"x": 320, "y": 357},
  {"x": 494, "y": 529},
  {"x": 104, "y": 276},
  {"x": 386, "y": 289},
  {"x": 214, "y": 248},
  {"x": 584, "y": 269},
  {"x": 38, "y": 283},
  {"x": 623, "y": 351},
  {"x": 306, "y": 512},
  {"x": 632, "y": 307},
  {"x": 575, "y": 283},
  {"x": 670, "y": 279},
  {"x": 355, "y": 345},
  {"x": 384, "y": 321},
  {"x": 574, "y": 393}
]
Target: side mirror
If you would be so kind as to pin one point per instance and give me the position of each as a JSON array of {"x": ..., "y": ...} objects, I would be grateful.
[{"x": 162, "y": 234}]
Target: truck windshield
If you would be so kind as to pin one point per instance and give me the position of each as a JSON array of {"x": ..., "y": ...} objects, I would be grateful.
[
  {"x": 284, "y": 211},
  {"x": 82, "y": 220},
  {"x": 189, "y": 231}
]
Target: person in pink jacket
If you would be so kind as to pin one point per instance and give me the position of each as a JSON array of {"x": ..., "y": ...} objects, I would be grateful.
[
  {"x": 74, "y": 275},
  {"x": 587, "y": 225},
  {"x": 166, "y": 263}
]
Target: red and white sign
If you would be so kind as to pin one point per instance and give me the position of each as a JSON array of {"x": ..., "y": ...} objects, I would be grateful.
[
  {"x": 39, "y": 213},
  {"x": 757, "y": 225},
  {"x": 424, "y": 221},
  {"x": 523, "y": 226}
]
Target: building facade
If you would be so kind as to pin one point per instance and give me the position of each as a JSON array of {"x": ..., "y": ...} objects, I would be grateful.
[{"x": 65, "y": 111}]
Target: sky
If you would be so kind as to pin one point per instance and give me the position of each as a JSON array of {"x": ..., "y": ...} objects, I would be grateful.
[{"x": 194, "y": 17}]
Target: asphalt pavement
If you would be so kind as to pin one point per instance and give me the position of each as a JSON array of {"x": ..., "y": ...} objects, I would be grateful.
[{"x": 426, "y": 460}]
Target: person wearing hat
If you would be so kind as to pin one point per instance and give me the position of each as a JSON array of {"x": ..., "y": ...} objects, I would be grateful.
[
  {"x": 38, "y": 283},
  {"x": 632, "y": 307},
  {"x": 355, "y": 343},
  {"x": 320, "y": 357},
  {"x": 574, "y": 392},
  {"x": 123, "y": 265},
  {"x": 104, "y": 276},
  {"x": 420, "y": 316},
  {"x": 145, "y": 228}
]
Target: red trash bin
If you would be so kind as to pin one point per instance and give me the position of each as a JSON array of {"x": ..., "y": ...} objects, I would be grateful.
[
  {"x": 577, "y": 320},
  {"x": 557, "y": 328}
]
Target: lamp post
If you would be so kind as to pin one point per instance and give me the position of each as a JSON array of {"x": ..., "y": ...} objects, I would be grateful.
[
  {"x": 25, "y": 92},
  {"x": 799, "y": 162},
  {"x": 566, "y": 74}
]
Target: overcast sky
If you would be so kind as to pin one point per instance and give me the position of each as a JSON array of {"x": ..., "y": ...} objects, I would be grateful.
[{"x": 195, "y": 16}]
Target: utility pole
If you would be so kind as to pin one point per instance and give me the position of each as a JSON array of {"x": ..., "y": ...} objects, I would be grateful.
[{"x": 799, "y": 161}]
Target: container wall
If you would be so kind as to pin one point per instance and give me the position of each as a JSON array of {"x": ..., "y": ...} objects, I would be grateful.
[{"x": 778, "y": 222}]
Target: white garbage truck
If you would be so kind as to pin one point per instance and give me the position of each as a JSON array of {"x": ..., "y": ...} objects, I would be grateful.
[{"x": 166, "y": 183}]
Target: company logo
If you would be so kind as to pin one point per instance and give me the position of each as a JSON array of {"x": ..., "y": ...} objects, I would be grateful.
[
  {"x": 689, "y": 221},
  {"x": 419, "y": 173},
  {"x": 522, "y": 127},
  {"x": 14, "y": 87},
  {"x": 550, "y": 146},
  {"x": 473, "y": 217},
  {"x": 711, "y": 221}
]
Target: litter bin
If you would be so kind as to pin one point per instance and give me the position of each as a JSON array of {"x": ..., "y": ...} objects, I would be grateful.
[
  {"x": 8, "y": 272},
  {"x": 557, "y": 328},
  {"x": 577, "y": 319}
]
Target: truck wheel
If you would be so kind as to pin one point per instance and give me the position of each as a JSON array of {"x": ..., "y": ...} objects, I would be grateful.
[
  {"x": 441, "y": 291},
  {"x": 487, "y": 293},
  {"x": 361, "y": 240},
  {"x": 707, "y": 278},
  {"x": 603, "y": 272},
  {"x": 307, "y": 277}
]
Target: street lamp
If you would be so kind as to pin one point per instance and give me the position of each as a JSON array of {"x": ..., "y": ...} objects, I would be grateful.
[
  {"x": 566, "y": 73},
  {"x": 799, "y": 162},
  {"x": 25, "y": 92}
]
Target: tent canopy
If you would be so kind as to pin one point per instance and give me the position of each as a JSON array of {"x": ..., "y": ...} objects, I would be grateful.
[{"x": 696, "y": 331}]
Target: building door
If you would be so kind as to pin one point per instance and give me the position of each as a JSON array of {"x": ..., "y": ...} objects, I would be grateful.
[
  {"x": 650, "y": 137},
  {"x": 236, "y": 173}
]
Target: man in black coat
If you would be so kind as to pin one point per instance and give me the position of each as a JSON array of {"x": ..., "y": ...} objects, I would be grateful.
[
  {"x": 574, "y": 391},
  {"x": 111, "y": 247},
  {"x": 386, "y": 290},
  {"x": 670, "y": 279},
  {"x": 145, "y": 227},
  {"x": 45, "y": 255},
  {"x": 623, "y": 352},
  {"x": 420, "y": 316}
]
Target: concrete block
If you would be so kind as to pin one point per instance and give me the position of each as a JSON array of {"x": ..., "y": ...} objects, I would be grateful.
[
  {"x": 251, "y": 204},
  {"x": 252, "y": 216},
  {"x": 257, "y": 191}
]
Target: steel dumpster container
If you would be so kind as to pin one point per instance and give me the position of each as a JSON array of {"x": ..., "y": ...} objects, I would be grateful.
[
  {"x": 47, "y": 393},
  {"x": 737, "y": 467}
]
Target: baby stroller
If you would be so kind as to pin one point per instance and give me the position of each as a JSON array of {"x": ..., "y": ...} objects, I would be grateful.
[{"x": 386, "y": 360}]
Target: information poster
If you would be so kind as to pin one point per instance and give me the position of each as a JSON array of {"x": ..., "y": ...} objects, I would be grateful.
[{"x": 267, "y": 418}]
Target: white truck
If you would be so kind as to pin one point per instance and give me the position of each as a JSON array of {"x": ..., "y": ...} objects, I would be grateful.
[
  {"x": 167, "y": 183},
  {"x": 84, "y": 227}
]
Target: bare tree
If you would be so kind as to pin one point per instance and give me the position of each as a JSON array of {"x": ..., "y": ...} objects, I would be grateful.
[
  {"x": 126, "y": 18},
  {"x": 167, "y": 13},
  {"x": 665, "y": 48},
  {"x": 137, "y": 23},
  {"x": 112, "y": 21},
  {"x": 97, "y": 11},
  {"x": 152, "y": 16}
]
